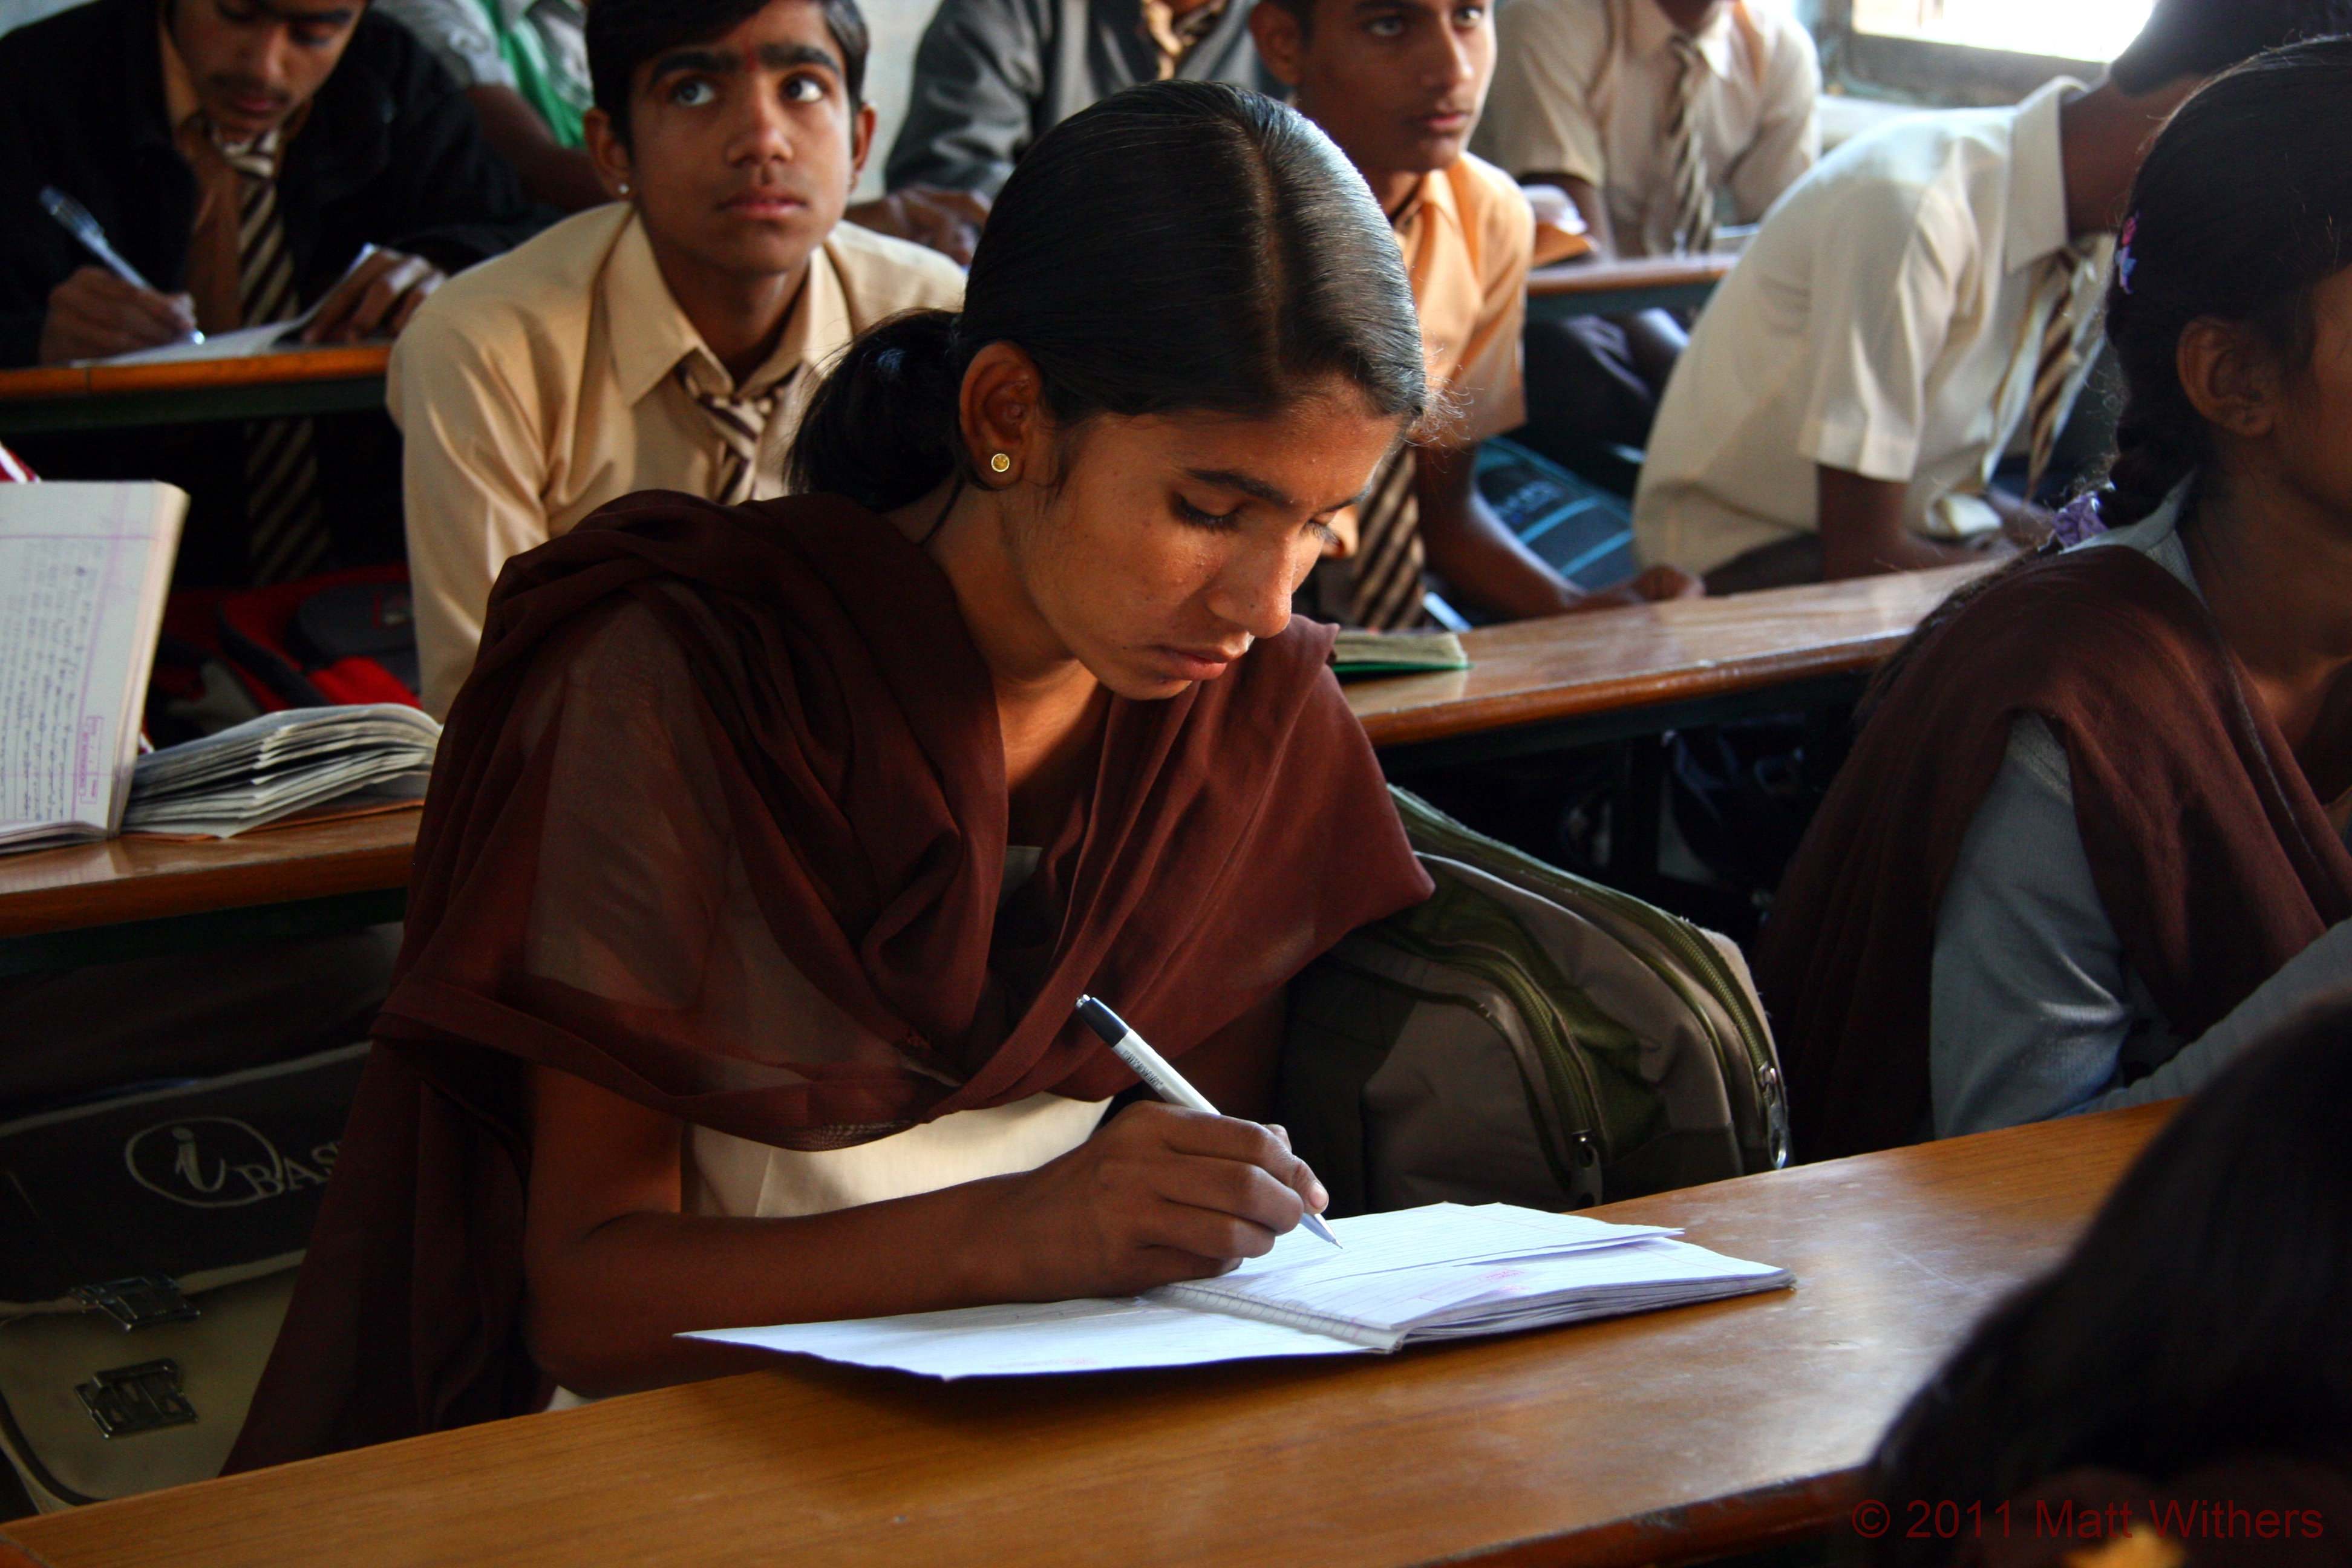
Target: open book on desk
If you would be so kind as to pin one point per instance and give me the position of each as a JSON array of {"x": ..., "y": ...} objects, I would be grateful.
[
  {"x": 1441, "y": 1272},
  {"x": 83, "y": 571}
]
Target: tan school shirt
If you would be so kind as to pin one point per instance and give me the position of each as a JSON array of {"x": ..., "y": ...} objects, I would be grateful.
[
  {"x": 1887, "y": 321},
  {"x": 215, "y": 265},
  {"x": 1585, "y": 88},
  {"x": 1468, "y": 237},
  {"x": 537, "y": 386}
]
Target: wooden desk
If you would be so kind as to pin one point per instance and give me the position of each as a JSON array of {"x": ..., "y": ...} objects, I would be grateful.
[
  {"x": 1621, "y": 288},
  {"x": 86, "y": 903},
  {"x": 1538, "y": 685},
  {"x": 1606, "y": 675},
  {"x": 1645, "y": 1440},
  {"x": 296, "y": 381}
]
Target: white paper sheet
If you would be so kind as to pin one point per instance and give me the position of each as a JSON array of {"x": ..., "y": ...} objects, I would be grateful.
[
  {"x": 1018, "y": 1341},
  {"x": 1441, "y": 1272}
]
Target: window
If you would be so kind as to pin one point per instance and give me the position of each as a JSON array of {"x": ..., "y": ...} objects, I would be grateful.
[{"x": 2072, "y": 29}]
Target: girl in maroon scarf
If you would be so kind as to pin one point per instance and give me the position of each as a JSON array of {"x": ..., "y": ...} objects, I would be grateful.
[
  {"x": 770, "y": 847},
  {"x": 2083, "y": 849}
]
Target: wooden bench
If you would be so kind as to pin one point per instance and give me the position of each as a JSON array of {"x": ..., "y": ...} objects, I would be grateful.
[{"x": 1663, "y": 1438}]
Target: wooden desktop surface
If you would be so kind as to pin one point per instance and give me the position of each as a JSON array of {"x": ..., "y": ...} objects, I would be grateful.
[
  {"x": 146, "y": 879},
  {"x": 1528, "y": 673},
  {"x": 1650, "y": 1440},
  {"x": 347, "y": 362},
  {"x": 1582, "y": 278},
  {"x": 1532, "y": 672}
]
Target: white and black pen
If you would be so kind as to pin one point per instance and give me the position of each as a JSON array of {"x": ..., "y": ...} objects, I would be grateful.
[{"x": 1164, "y": 1080}]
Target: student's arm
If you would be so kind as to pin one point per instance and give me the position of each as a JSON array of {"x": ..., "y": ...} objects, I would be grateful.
[
  {"x": 94, "y": 314},
  {"x": 2031, "y": 1000},
  {"x": 1787, "y": 133},
  {"x": 1862, "y": 532},
  {"x": 948, "y": 221},
  {"x": 614, "y": 1270},
  {"x": 563, "y": 177},
  {"x": 1538, "y": 126},
  {"x": 472, "y": 469},
  {"x": 1883, "y": 289},
  {"x": 979, "y": 74},
  {"x": 1481, "y": 559}
]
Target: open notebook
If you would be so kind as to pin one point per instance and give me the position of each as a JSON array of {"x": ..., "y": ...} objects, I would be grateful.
[
  {"x": 1441, "y": 1272},
  {"x": 83, "y": 571}
]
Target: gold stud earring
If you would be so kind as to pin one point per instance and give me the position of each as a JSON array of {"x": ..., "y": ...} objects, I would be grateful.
[{"x": 1001, "y": 463}]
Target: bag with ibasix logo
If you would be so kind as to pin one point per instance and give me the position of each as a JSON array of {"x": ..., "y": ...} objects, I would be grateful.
[{"x": 148, "y": 1244}]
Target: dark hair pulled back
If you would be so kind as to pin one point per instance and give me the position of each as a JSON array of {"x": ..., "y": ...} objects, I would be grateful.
[
  {"x": 1179, "y": 246},
  {"x": 2242, "y": 209},
  {"x": 2202, "y": 1316}
]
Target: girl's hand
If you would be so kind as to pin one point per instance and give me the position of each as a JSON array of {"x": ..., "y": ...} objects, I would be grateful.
[{"x": 1159, "y": 1194}]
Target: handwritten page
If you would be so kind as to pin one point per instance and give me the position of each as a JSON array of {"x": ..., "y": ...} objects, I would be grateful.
[
  {"x": 1445, "y": 1271},
  {"x": 83, "y": 571}
]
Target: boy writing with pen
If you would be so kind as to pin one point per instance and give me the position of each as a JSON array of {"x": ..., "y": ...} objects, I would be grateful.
[{"x": 237, "y": 155}]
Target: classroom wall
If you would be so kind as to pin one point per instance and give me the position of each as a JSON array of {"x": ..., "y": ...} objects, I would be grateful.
[{"x": 896, "y": 24}]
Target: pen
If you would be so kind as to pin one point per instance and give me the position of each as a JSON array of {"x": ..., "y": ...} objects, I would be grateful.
[
  {"x": 1164, "y": 1080},
  {"x": 76, "y": 220}
]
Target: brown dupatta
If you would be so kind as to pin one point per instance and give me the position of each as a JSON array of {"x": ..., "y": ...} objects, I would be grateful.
[
  {"x": 787, "y": 689},
  {"x": 2209, "y": 850}
]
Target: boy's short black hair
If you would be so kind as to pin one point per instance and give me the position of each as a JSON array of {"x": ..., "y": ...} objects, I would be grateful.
[
  {"x": 624, "y": 34},
  {"x": 2199, "y": 37}
]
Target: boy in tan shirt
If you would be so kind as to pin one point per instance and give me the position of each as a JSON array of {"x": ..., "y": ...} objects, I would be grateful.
[
  {"x": 1397, "y": 84},
  {"x": 669, "y": 340}
]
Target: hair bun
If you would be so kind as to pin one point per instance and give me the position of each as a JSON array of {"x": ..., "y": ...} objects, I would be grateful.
[{"x": 881, "y": 429}]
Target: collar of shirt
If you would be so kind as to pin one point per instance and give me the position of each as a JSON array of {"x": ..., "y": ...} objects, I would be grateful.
[
  {"x": 2036, "y": 225},
  {"x": 659, "y": 335},
  {"x": 1650, "y": 31},
  {"x": 1434, "y": 197}
]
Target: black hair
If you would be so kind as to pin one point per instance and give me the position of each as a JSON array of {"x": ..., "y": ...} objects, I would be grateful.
[
  {"x": 624, "y": 34},
  {"x": 2197, "y": 37},
  {"x": 2242, "y": 207},
  {"x": 1179, "y": 246},
  {"x": 2203, "y": 1316}
]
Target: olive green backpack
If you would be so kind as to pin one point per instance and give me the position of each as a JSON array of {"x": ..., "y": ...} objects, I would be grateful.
[{"x": 1526, "y": 1037}]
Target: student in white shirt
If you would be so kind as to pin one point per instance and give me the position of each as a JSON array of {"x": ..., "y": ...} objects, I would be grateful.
[
  {"x": 666, "y": 340},
  {"x": 1925, "y": 296},
  {"x": 1589, "y": 96}
]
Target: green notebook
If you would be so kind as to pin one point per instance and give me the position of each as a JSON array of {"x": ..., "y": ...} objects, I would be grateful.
[{"x": 1396, "y": 653}]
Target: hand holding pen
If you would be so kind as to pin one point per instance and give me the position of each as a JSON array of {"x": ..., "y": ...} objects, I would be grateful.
[
  {"x": 1164, "y": 1080},
  {"x": 100, "y": 312}
]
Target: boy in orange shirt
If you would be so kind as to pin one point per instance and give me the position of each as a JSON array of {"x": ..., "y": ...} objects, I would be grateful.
[{"x": 1399, "y": 84}]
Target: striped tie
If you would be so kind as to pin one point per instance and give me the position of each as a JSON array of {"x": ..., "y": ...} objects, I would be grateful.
[
  {"x": 2060, "y": 357},
  {"x": 1388, "y": 556},
  {"x": 1694, "y": 187},
  {"x": 742, "y": 423},
  {"x": 281, "y": 465}
]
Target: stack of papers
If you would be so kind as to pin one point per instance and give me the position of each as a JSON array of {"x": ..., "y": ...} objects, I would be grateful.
[
  {"x": 1441, "y": 1272},
  {"x": 1396, "y": 653},
  {"x": 277, "y": 765}
]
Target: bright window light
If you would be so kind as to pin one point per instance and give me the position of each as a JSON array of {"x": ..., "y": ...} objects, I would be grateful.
[{"x": 2075, "y": 30}]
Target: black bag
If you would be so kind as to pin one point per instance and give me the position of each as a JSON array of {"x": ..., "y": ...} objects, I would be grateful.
[{"x": 148, "y": 1247}]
